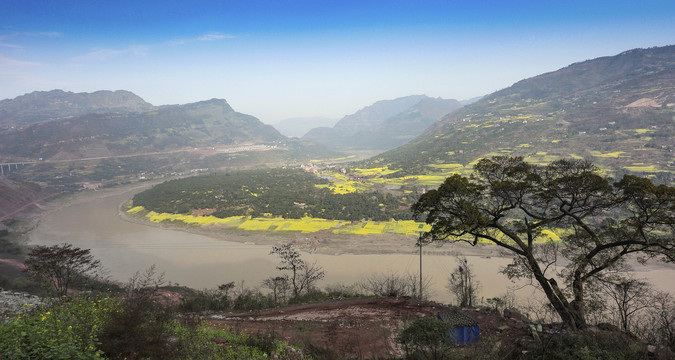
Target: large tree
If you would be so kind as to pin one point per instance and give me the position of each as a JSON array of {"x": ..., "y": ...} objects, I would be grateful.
[{"x": 509, "y": 202}]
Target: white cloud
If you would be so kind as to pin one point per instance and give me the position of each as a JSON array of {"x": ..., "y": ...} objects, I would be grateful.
[
  {"x": 8, "y": 45},
  {"x": 15, "y": 35},
  {"x": 7, "y": 63},
  {"x": 16, "y": 74},
  {"x": 210, "y": 37},
  {"x": 214, "y": 37},
  {"x": 5, "y": 44},
  {"x": 98, "y": 55},
  {"x": 45, "y": 33}
]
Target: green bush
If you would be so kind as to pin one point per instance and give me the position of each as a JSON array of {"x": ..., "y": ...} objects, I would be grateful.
[
  {"x": 586, "y": 346},
  {"x": 139, "y": 328},
  {"x": 425, "y": 338},
  {"x": 65, "y": 331},
  {"x": 132, "y": 328},
  {"x": 205, "y": 300}
]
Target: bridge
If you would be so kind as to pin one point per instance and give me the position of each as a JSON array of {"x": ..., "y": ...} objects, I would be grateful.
[{"x": 7, "y": 168}]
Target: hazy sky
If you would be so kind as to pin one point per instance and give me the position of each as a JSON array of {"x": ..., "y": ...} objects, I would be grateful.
[{"x": 278, "y": 59}]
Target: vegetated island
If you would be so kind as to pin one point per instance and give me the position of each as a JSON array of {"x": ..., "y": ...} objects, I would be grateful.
[{"x": 268, "y": 206}]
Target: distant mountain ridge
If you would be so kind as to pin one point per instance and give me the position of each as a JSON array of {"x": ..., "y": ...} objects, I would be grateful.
[
  {"x": 616, "y": 111},
  {"x": 40, "y": 106},
  {"x": 298, "y": 127},
  {"x": 406, "y": 125},
  {"x": 384, "y": 124},
  {"x": 376, "y": 113},
  {"x": 205, "y": 123}
]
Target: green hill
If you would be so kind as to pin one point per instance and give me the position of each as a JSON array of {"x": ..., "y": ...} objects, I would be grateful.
[{"x": 616, "y": 111}]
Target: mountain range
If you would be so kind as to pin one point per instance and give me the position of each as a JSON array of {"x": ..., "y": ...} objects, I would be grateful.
[
  {"x": 120, "y": 127},
  {"x": 383, "y": 125},
  {"x": 297, "y": 127},
  {"x": 58, "y": 125},
  {"x": 41, "y": 106},
  {"x": 617, "y": 111}
]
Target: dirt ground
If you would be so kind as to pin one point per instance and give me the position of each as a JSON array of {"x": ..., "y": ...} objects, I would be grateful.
[{"x": 362, "y": 328}]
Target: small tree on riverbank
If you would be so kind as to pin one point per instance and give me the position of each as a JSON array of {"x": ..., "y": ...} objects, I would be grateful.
[
  {"x": 56, "y": 266},
  {"x": 462, "y": 284},
  {"x": 303, "y": 275},
  {"x": 627, "y": 298}
]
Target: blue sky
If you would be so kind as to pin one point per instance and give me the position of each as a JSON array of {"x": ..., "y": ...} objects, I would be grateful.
[{"x": 297, "y": 58}]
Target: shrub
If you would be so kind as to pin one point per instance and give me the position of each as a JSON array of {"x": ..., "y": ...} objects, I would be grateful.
[
  {"x": 138, "y": 329},
  {"x": 205, "y": 300},
  {"x": 586, "y": 346},
  {"x": 424, "y": 338},
  {"x": 394, "y": 285},
  {"x": 65, "y": 331}
]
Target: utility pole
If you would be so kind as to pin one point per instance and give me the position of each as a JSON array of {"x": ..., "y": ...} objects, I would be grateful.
[
  {"x": 420, "y": 270},
  {"x": 419, "y": 243}
]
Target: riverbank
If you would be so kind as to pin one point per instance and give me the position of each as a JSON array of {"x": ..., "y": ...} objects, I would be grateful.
[
  {"x": 206, "y": 258},
  {"x": 323, "y": 242},
  {"x": 328, "y": 243}
]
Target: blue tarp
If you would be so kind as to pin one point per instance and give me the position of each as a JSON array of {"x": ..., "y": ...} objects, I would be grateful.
[
  {"x": 464, "y": 328},
  {"x": 464, "y": 335}
]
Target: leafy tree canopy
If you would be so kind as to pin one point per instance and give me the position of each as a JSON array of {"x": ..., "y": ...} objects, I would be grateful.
[
  {"x": 509, "y": 202},
  {"x": 57, "y": 265}
]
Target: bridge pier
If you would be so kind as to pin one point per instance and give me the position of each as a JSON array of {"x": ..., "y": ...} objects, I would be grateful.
[{"x": 6, "y": 168}]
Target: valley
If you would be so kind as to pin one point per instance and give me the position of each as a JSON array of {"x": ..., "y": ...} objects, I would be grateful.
[
  {"x": 204, "y": 194},
  {"x": 321, "y": 180}
]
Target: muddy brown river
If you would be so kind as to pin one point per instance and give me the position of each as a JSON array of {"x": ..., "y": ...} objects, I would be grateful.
[{"x": 92, "y": 220}]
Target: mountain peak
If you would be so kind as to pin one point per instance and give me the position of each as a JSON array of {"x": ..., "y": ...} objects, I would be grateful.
[
  {"x": 222, "y": 103},
  {"x": 40, "y": 106}
]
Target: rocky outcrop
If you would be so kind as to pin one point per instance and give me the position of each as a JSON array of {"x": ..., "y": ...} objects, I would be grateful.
[{"x": 13, "y": 302}]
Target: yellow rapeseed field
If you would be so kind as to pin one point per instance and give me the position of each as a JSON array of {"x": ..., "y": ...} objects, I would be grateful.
[
  {"x": 615, "y": 154},
  {"x": 402, "y": 227},
  {"x": 304, "y": 225}
]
